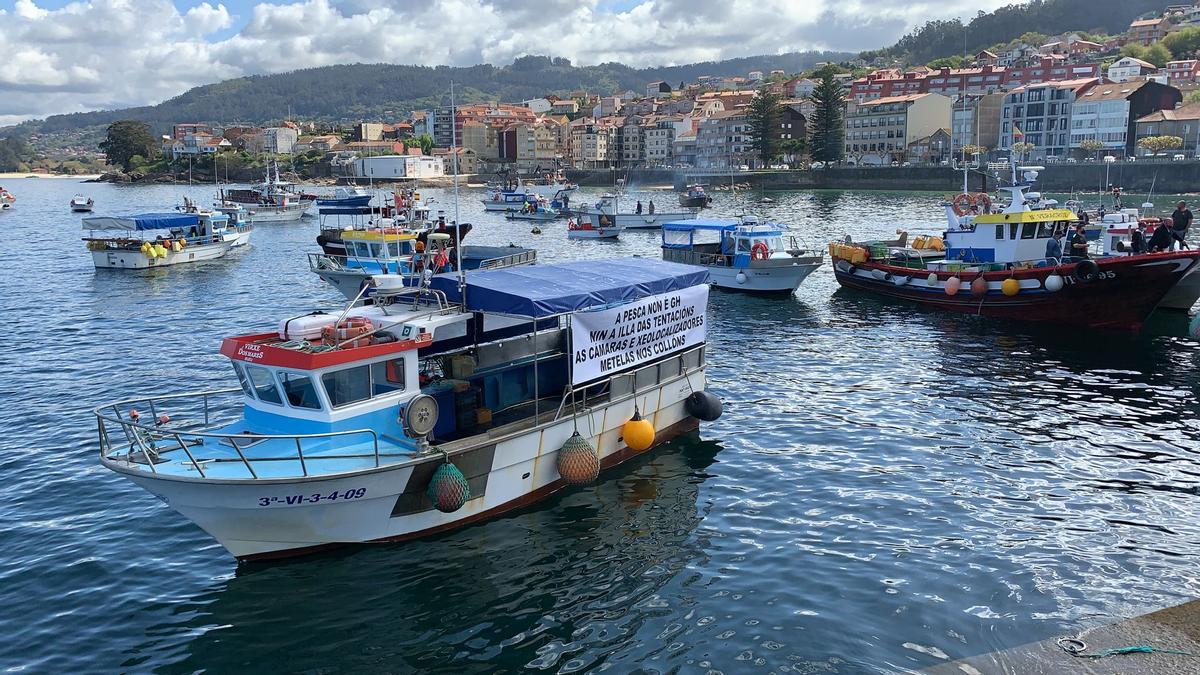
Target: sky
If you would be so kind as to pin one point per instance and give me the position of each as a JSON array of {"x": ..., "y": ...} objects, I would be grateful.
[{"x": 60, "y": 56}]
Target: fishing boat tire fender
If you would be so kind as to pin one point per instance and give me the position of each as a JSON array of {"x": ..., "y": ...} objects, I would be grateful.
[
  {"x": 1087, "y": 271},
  {"x": 703, "y": 405}
]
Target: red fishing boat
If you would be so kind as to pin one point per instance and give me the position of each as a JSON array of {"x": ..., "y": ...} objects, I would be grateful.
[{"x": 994, "y": 264}]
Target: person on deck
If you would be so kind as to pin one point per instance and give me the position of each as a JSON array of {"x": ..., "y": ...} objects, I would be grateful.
[
  {"x": 651, "y": 207},
  {"x": 1137, "y": 240},
  {"x": 1079, "y": 245},
  {"x": 1181, "y": 220},
  {"x": 1054, "y": 246},
  {"x": 1161, "y": 239},
  {"x": 639, "y": 208}
]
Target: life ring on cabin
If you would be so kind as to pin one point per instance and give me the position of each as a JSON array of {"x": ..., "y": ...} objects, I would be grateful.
[
  {"x": 962, "y": 203},
  {"x": 1086, "y": 271},
  {"x": 983, "y": 202},
  {"x": 759, "y": 251}
]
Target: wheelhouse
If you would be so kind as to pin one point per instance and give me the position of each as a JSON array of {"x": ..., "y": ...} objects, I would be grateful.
[{"x": 722, "y": 242}]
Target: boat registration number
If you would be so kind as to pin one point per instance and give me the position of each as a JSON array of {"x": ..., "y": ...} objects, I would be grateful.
[{"x": 292, "y": 500}]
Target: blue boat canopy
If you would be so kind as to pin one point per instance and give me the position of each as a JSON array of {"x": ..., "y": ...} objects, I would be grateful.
[
  {"x": 144, "y": 221},
  {"x": 541, "y": 291},
  {"x": 722, "y": 225}
]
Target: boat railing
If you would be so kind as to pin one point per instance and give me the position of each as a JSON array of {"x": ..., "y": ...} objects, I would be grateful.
[
  {"x": 148, "y": 437},
  {"x": 511, "y": 260},
  {"x": 696, "y": 257},
  {"x": 631, "y": 381}
]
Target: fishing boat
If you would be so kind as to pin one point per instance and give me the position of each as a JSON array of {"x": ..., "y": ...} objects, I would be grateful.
[
  {"x": 81, "y": 204},
  {"x": 1116, "y": 240},
  {"x": 599, "y": 228},
  {"x": 7, "y": 199},
  {"x": 695, "y": 197},
  {"x": 745, "y": 256},
  {"x": 508, "y": 200},
  {"x": 638, "y": 219},
  {"x": 272, "y": 201},
  {"x": 994, "y": 265},
  {"x": 348, "y": 197},
  {"x": 426, "y": 410},
  {"x": 553, "y": 186},
  {"x": 407, "y": 255},
  {"x": 152, "y": 240},
  {"x": 407, "y": 210},
  {"x": 539, "y": 210}
]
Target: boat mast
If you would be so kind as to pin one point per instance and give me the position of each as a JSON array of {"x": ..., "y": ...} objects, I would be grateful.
[{"x": 462, "y": 281}]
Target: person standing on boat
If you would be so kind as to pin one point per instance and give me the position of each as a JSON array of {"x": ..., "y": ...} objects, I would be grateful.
[
  {"x": 1181, "y": 220},
  {"x": 1161, "y": 240},
  {"x": 651, "y": 207},
  {"x": 1137, "y": 240},
  {"x": 639, "y": 208},
  {"x": 1079, "y": 245},
  {"x": 1054, "y": 250}
]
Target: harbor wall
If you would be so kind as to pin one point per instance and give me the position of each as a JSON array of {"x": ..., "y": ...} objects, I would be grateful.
[{"x": 1135, "y": 177}]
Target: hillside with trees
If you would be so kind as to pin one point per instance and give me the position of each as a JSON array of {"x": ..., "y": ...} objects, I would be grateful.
[
  {"x": 944, "y": 38},
  {"x": 374, "y": 91}
]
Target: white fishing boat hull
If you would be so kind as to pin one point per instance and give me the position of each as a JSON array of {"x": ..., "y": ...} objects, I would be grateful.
[
  {"x": 1184, "y": 294},
  {"x": 641, "y": 221},
  {"x": 774, "y": 279},
  {"x": 279, "y": 517},
  {"x": 595, "y": 233},
  {"x": 269, "y": 214},
  {"x": 489, "y": 205},
  {"x": 235, "y": 239},
  {"x": 550, "y": 191},
  {"x": 136, "y": 260}
]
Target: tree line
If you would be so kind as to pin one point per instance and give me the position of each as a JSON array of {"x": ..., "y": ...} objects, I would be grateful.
[{"x": 824, "y": 137}]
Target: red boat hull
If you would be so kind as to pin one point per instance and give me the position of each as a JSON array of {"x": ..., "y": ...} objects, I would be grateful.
[{"x": 1125, "y": 292}]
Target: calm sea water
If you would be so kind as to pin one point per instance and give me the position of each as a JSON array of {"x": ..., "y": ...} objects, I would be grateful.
[{"x": 888, "y": 487}]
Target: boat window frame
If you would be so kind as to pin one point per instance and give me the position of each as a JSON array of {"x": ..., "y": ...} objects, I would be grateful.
[
  {"x": 1030, "y": 228},
  {"x": 287, "y": 395},
  {"x": 999, "y": 231},
  {"x": 258, "y": 388},
  {"x": 244, "y": 380},
  {"x": 400, "y": 387},
  {"x": 333, "y": 401}
]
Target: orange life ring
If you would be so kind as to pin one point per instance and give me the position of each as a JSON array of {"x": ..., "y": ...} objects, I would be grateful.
[
  {"x": 759, "y": 251},
  {"x": 962, "y": 203},
  {"x": 984, "y": 202}
]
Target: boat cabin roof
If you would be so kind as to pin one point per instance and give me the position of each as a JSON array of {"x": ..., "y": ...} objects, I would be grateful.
[
  {"x": 147, "y": 221},
  {"x": 270, "y": 350},
  {"x": 734, "y": 227},
  {"x": 379, "y": 234},
  {"x": 1034, "y": 216}
]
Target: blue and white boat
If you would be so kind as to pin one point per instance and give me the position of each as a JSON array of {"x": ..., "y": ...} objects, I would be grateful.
[
  {"x": 152, "y": 240},
  {"x": 345, "y": 201},
  {"x": 509, "y": 200},
  {"x": 428, "y": 410},
  {"x": 741, "y": 255}
]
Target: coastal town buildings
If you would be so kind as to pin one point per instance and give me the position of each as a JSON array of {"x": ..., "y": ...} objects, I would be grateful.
[
  {"x": 879, "y": 131},
  {"x": 1183, "y": 122},
  {"x": 1108, "y": 112}
]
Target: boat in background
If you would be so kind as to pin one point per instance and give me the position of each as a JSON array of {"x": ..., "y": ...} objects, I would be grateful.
[
  {"x": 695, "y": 198},
  {"x": 995, "y": 265},
  {"x": 179, "y": 238},
  {"x": 427, "y": 409},
  {"x": 272, "y": 201},
  {"x": 1116, "y": 240},
  {"x": 747, "y": 256},
  {"x": 406, "y": 255},
  {"x": 7, "y": 199},
  {"x": 508, "y": 200},
  {"x": 607, "y": 207},
  {"x": 540, "y": 210},
  {"x": 407, "y": 211},
  {"x": 81, "y": 204},
  {"x": 600, "y": 228}
]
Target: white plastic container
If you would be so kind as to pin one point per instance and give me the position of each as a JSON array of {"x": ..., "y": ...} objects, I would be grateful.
[{"x": 306, "y": 326}]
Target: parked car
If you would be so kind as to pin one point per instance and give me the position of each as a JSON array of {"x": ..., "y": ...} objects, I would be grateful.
[
  {"x": 1109, "y": 159},
  {"x": 1178, "y": 158},
  {"x": 1131, "y": 158},
  {"x": 743, "y": 167},
  {"x": 1071, "y": 160},
  {"x": 817, "y": 166}
]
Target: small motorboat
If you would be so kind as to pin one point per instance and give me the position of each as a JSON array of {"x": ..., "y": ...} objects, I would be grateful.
[
  {"x": 81, "y": 204},
  {"x": 746, "y": 256},
  {"x": 6, "y": 199},
  {"x": 592, "y": 228},
  {"x": 695, "y": 198},
  {"x": 540, "y": 210}
]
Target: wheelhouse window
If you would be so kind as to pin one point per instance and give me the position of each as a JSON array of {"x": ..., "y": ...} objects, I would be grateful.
[
  {"x": 264, "y": 385},
  {"x": 387, "y": 376},
  {"x": 1028, "y": 230},
  {"x": 300, "y": 390},
  {"x": 743, "y": 245},
  {"x": 243, "y": 380},
  {"x": 347, "y": 386},
  {"x": 394, "y": 249},
  {"x": 999, "y": 231}
]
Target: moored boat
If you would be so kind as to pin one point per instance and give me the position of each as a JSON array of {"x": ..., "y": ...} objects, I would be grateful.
[
  {"x": 272, "y": 201},
  {"x": 407, "y": 211},
  {"x": 81, "y": 204},
  {"x": 178, "y": 238},
  {"x": 428, "y": 411},
  {"x": 995, "y": 265},
  {"x": 746, "y": 256},
  {"x": 599, "y": 228},
  {"x": 539, "y": 210},
  {"x": 641, "y": 218},
  {"x": 406, "y": 255},
  {"x": 7, "y": 199},
  {"x": 1116, "y": 240}
]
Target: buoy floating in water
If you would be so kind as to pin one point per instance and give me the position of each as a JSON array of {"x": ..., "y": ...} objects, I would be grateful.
[
  {"x": 1010, "y": 287},
  {"x": 638, "y": 433},
  {"x": 578, "y": 463},
  {"x": 448, "y": 488}
]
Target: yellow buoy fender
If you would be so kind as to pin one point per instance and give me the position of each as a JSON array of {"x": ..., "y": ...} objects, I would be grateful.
[
  {"x": 638, "y": 433},
  {"x": 1010, "y": 287}
]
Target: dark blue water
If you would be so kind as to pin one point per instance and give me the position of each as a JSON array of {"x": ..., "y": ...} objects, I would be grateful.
[{"x": 888, "y": 487}]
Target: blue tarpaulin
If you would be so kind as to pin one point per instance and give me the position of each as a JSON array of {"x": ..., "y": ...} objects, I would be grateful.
[
  {"x": 144, "y": 221},
  {"x": 538, "y": 291}
]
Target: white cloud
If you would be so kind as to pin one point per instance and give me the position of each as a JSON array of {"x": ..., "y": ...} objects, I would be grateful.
[{"x": 96, "y": 54}]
